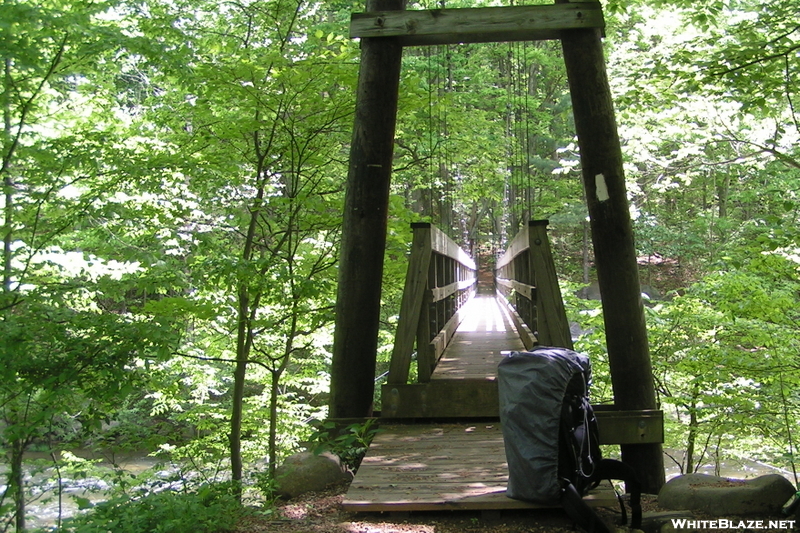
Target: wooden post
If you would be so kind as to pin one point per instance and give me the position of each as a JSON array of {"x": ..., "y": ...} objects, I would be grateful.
[
  {"x": 553, "y": 324},
  {"x": 366, "y": 206},
  {"x": 425, "y": 356},
  {"x": 612, "y": 235},
  {"x": 411, "y": 305}
]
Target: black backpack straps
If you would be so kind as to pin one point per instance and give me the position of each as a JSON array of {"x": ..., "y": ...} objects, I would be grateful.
[
  {"x": 579, "y": 511},
  {"x": 613, "y": 469}
]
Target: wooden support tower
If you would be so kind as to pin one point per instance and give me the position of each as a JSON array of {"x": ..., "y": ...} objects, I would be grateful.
[
  {"x": 418, "y": 462},
  {"x": 384, "y": 30}
]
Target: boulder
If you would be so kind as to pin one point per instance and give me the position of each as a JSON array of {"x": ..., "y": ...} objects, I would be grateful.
[
  {"x": 718, "y": 496},
  {"x": 307, "y": 472}
]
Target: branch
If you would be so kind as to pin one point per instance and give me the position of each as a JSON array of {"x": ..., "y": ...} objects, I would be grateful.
[
  {"x": 26, "y": 107},
  {"x": 220, "y": 359},
  {"x": 763, "y": 59},
  {"x": 788, "y": 160}
]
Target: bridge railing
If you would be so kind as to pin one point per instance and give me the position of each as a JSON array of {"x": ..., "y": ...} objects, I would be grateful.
[
  {"x": 441, "y": 278},
  {"x": 525, "y": 276}
]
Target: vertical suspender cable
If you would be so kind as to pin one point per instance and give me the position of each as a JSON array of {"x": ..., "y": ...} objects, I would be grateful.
[
  {"x": 431, "y": 146},
  {"x": 528, "y": 132}
]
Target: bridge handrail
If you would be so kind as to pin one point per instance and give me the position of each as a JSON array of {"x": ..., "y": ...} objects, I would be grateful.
[
  {"x": 441, "y": 278},
  {"x": 525, "y": 276}
]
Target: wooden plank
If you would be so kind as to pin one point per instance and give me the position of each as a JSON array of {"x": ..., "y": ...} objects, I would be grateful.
[
  {"x": 483, "y": 335},
  {"x": 630, "y": 427},
  {"x": 444, "y": 245},
  {"x": 442, "y": 339},
  {"x": 440, "y": 293},
  {"x": 529, "y": 340},
  {"x": 473, "y": 497},
  {"x": 528, "y": 291},
  {"x": 410, "y": 306},
  {"x": 475, "y": 25},
  {"x": 440, "y": 399},
  {"x": 553, "y": 324},
  {"x": 518, "y": 245},
  {"x": 426, "y": 355},
  {"x": 439, "y": 467}
]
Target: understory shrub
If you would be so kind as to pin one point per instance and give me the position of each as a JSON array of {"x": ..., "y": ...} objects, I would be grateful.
[{"x": 212, "y": 509}]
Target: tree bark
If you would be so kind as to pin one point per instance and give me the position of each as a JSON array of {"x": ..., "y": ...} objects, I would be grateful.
[
  {"x": 355, "y": 341},
  {"x": 16, "y": 483},
  {"x": 612, "y": 236}
]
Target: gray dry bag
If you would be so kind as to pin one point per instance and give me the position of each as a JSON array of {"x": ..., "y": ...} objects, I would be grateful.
[{"x": 551, "y": 436}]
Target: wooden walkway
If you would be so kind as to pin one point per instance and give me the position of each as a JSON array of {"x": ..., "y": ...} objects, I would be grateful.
[
  {"x": 453, "y": 466},
  {"x": 479, "y": 342},
  {"x": 430, "y": 467}
]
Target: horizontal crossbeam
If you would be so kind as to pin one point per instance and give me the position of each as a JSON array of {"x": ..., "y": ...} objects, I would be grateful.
[{"x": 477, "y": 25}]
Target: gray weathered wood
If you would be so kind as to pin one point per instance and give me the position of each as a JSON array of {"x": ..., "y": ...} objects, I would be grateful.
[
  {"x": 612, "y": 235},
  {"x": 444, "y": 245},
  {"x": 472, "y": 25},
  {"x": 525, "y": 333},
  {"x": 518, "y": 245},
  {"x": 479, "y": 398},
  {"x": 528, "y": 291},
  {"x": 411, "y": 304},
  {"x": 440, "y": 399},
  {"x": 426, "y": 356},
  {"x": 630, "y": 427},
  {"x": 439, "y": 343},
  {"x": 430, "y": 467},
  {"x": 364, "y": 224},
  {"x": 553, "y": 324},
  {"x": 440, "y": 293}
]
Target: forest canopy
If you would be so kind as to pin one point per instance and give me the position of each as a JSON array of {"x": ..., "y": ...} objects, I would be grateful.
[{"x": 173, "y": 177}]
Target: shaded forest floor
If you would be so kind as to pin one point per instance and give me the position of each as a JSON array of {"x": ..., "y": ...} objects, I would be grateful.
[{"x": 322, "y": 513}]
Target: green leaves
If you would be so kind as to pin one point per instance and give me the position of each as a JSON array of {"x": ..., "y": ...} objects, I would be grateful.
[
  {"x": 211, "y": 509},
  {"x": 717, "y": 349}
]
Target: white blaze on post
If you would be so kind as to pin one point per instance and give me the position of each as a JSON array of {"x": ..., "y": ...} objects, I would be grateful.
[{"x": 601, "y": 188}]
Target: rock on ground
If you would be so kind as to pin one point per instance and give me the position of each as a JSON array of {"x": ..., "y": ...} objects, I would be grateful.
[
  {"x": 307, "y": 472},
  {"x": 717, "y": 496}
]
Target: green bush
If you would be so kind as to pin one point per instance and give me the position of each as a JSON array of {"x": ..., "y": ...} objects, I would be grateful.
[
  {"x": 350, "y": 443},
  {"x": 210, "y": 509}
]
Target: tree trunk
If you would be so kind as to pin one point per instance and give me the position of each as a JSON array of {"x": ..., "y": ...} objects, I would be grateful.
[
  {"x": 723, "y": 189},
  {"x": 612, "y": 235},
  {"x": 16, "y": 483},
  {"x": 8, "y": 184},
  {"x": 692, "y": 437},
  {"x": 239, "y": 375},
  {"x": 586, "y": 266},
  {"x": 358, "y": 301},
  {"x": 273, "y": 422},
  {"x": 276, "y": 374},
  {"x": 244, "y": 343}
]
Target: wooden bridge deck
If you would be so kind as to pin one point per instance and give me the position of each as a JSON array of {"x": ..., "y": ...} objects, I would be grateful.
[
  {"x": 433, "y": 466},
  {"x": 429, "y": 467},
  {"x": 479, "y": 342}
]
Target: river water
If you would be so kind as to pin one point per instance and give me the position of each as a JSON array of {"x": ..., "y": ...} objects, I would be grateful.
[{"x": 44, "y": 509}]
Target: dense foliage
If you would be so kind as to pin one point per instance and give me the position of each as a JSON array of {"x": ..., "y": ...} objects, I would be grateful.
[{"x": 172, "y": 179}]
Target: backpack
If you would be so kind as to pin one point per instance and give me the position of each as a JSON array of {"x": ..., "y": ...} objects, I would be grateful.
[{"x": 551, "y": 437}]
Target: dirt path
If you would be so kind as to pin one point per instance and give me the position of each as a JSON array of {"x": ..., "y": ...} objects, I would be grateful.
[{"x": 321, "y": 513}]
